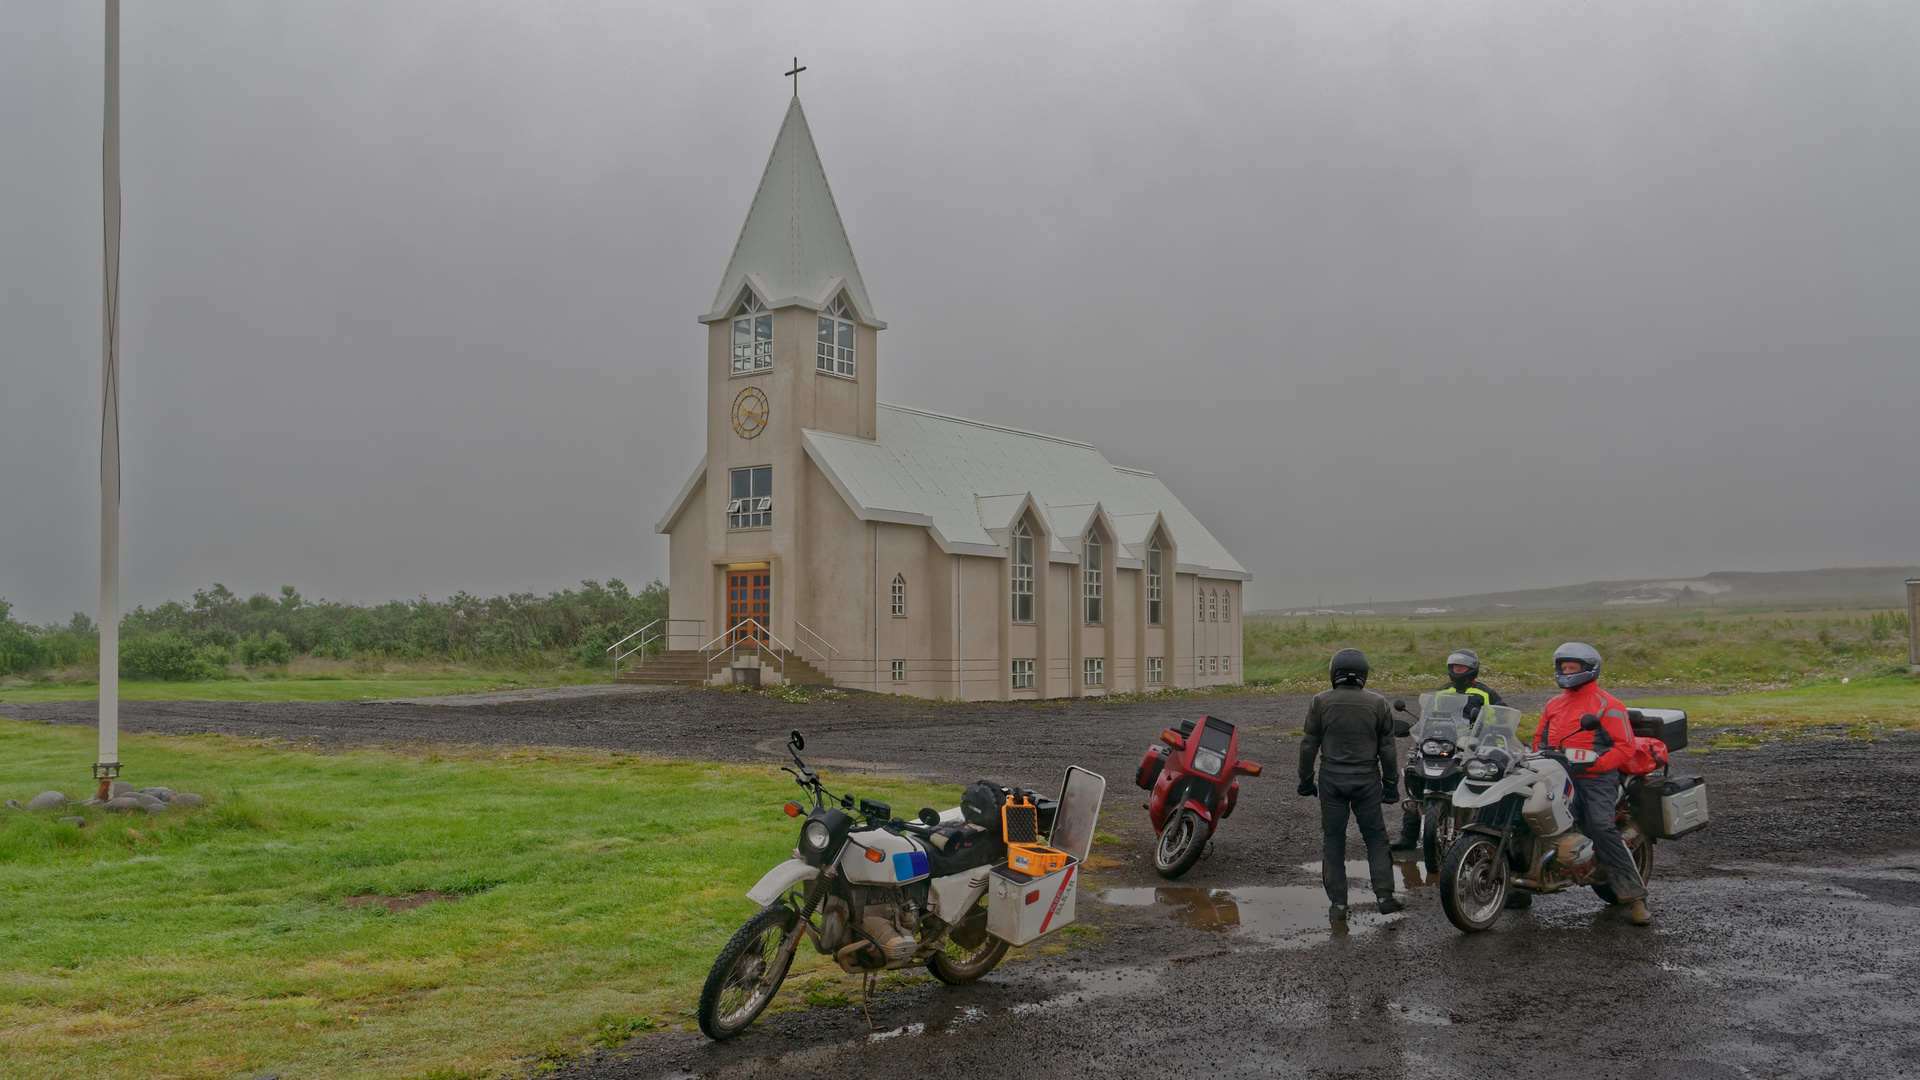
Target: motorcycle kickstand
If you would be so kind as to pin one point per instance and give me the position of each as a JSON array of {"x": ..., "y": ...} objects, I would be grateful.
[{"x": 866, "y": 998}]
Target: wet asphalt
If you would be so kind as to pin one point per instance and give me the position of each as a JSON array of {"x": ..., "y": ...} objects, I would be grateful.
[{"x": 1784, "y": 942}]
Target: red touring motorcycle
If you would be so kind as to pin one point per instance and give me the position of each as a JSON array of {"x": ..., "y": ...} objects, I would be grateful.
[{"x": 1194, "y": 780}]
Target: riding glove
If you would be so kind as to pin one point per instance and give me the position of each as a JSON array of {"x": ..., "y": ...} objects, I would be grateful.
[
  {"x": 1308, "y": 789},
  {"x": 1390, "y": 794}
]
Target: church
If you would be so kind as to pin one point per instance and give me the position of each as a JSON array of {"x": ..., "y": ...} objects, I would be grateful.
[{"x": 827, "y": 538}]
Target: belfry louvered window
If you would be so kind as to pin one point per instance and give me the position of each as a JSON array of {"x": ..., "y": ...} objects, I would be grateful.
[
  {"x": 833, "y": 348},
  {"x": 1022, "y": 573},
  {"x": 752, "y": 335}
]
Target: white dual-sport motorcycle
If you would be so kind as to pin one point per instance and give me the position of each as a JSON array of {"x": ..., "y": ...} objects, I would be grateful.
[
  {"x": 876, "y": 893},
  {"x": 1523, "y": 839}
]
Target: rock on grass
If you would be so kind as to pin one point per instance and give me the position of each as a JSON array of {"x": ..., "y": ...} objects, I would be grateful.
[{"x": 47, "y": 800}]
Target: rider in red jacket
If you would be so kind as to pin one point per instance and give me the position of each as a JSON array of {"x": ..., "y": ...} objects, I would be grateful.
[{"x": 1576, "y": 668}]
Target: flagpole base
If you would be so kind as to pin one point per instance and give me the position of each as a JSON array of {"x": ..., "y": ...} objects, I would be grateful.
[{"x": 106, "y": 772}]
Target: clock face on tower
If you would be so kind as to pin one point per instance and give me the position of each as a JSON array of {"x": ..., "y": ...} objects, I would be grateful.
[{"x": 749, "y": 412}]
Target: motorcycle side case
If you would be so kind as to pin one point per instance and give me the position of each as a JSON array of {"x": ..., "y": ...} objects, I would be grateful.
[
  {"x": 1667, "y": 725},
  {"x": 1151, "y": 763},
  {"x": 1022, "y": 908},
  {"x": 1668, "y": 808}
]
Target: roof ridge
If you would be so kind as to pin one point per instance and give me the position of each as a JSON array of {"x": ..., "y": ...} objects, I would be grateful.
[{"x": 992, "y": 427}]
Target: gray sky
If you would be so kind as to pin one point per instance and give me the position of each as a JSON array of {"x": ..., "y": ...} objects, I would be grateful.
[{"x": 1403, "y": 299}]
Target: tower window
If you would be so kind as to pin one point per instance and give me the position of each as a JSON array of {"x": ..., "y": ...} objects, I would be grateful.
[
  {"x": 752, "y": 335},
  {"x": 1091, "y": 586},
  {"x": 1153, "y": 583},
  {"x": 750, "y": 497},
  {"x": 899, "y": 595},
  {"x": 833, "y": 348},
  {"x": 1022, "y": 573}
]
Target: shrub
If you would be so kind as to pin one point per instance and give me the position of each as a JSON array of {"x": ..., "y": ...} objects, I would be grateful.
[
  {"x": 272, "y": 649},
  {"x": 166, "y": 657}
]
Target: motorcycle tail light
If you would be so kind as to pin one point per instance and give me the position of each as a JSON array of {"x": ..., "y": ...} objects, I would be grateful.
[{"x": 792, "y": 809}]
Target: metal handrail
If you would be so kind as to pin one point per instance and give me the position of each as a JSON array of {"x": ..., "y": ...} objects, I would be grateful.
[
  {"x": 640, "y": 648},
  {"x": 827, "y": 657},
  {"x": 757, "y": 645}
]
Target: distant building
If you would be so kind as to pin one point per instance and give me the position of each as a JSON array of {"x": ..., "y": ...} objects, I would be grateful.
[{"x": 834, "y": 538}]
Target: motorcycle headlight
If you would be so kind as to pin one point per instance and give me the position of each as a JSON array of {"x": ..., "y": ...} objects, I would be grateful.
[
  {"x": 1482, "y": 769},
  {"x": 1209, "y": 761},
  {"x": 1432, "y": 748},
  {"x": 814, "y": 834}
]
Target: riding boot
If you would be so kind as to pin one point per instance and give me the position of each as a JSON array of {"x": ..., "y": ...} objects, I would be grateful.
[{"x": 1389, "y": 905}]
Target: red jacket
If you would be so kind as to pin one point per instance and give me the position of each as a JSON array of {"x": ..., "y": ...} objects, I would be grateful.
[{"x": 1613, "y": 740}]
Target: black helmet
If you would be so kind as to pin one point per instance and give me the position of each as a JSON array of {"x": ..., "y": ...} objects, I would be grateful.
[
  {"x": 1463, "y": 658},
  {"x": 1587, "y": 655},
  {"x": 1349, "y": 665}
]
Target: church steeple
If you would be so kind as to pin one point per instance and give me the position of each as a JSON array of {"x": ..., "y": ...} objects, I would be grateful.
[{"x": 793, "y": 249}]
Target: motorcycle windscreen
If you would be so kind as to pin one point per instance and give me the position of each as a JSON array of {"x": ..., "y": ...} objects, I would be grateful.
[{"x": 1079, "y": 814}]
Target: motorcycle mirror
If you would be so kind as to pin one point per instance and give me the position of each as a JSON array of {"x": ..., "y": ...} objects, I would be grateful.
[
  {"x": 1399, "y": 704},
  {"x": 796, "y": 741},
  {"x": 929, "y": 817},
  {"x": 1589, "y": 722}
]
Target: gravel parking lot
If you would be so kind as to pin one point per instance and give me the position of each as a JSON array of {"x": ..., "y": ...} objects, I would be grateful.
[{"x": 1782, "y": 946}]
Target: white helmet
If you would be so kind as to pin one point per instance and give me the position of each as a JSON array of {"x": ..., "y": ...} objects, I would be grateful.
[{"x": 1587, "y": 655}]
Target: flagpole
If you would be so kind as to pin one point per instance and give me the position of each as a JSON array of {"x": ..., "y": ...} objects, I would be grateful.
[{"x": 107, "y": 765}]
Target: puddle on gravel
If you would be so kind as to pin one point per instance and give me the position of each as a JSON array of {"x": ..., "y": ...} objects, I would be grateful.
[
  {"x": 1271, "y": 914},
  {"x": 1087, "y": 986},
  {"x": 1408, "y": 873}
]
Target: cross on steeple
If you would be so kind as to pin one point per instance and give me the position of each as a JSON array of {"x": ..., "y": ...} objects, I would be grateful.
[{"x": 797, "y": 69}]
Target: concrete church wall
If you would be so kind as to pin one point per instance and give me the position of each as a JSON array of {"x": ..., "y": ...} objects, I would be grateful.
[{"x": 689, "y": 578}]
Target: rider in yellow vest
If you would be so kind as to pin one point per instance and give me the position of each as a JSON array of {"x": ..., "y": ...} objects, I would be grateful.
[{"x": 1463, "y": 677}]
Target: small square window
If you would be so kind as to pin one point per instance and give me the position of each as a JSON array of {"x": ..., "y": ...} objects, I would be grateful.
[
  {"x": 1023, "y": 674},
  {"x": 899, "y": 671},
  {"x": 1093, "y": 671},
  {"x": 1156, "y": 671}
]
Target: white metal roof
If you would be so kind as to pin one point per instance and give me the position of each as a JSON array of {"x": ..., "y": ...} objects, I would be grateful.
[
  {"x": 792, "y": 248},
  {"x": 966, "y": 481}
]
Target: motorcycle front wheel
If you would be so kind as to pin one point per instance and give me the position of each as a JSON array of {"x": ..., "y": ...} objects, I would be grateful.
[
  {"x": 970, "y": 952},
  {"x": 1473, "y": 884},
  {"x": 1437, "y": 832},
  {"x": 749, "y": 970},
  {"x": 1642, "y": 861},
  {"x": 1181, "y": 843}
]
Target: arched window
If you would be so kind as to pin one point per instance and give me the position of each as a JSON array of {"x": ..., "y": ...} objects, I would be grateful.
[
  {"x": 833, "y": 348},
  {"x": 1226, "y": 606},
  {"x": 1091, "y": 586},
  {"x": 752, "y": 335},
  {"x": 1022, "y": 573},
  {"x": 1199, "y": 604},
  {"x": 899, "y": 595},
  {"x": 1213, "y": 607},
  {"x": 1153, "y": 583}
]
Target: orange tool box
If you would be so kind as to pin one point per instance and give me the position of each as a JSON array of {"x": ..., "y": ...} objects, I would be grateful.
[{"x": 1020, "y": 824}]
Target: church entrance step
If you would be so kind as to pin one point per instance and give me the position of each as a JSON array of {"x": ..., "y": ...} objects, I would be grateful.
[{"x": 690, "y": 667}]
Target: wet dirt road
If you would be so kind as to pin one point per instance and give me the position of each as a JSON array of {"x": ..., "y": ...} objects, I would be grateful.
[{"x": 1784, "y": 942}]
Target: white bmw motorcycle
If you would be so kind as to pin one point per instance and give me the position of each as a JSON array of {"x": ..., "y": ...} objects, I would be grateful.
[
  {"x": 876, "y": 893},
  {"x": 1523, "y": 837}
]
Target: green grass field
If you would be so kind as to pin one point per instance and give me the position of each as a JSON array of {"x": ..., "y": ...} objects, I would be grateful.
[
  {"x": 1892, "y": 702},
  {"x": 594, "y": 891},
  {"x": 1693, "y": 649},
  {"x": 315, "y": 680}
]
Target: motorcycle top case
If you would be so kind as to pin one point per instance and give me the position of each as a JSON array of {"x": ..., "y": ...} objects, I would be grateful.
[
  {"x": 1667, "y": 725},
  {"x": 900, "y": 860},
  {"x": 1022, "y": 907},
  {"x": 1670, "y": 807}
]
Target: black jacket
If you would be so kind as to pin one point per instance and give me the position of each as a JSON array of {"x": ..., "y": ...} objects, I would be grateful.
[{"x": 1350, "y": 730}]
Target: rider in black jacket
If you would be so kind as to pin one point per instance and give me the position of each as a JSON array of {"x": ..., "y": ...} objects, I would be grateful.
[
  {"x": 1463, "y": 677},
  {"x": 1350, "y": 729}
]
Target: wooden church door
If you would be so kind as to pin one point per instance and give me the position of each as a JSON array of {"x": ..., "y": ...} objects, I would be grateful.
[{"x": 749, "y": 598}]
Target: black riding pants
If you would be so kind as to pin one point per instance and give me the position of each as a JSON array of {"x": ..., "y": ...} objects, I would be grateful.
[
  {"x": 1357, "y": 794},
  {"x": 1595, "y": 807}
]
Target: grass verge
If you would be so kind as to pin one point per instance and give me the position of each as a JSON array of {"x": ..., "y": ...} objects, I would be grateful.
[
  {"x": 1888, "y": 703},
  {"x": 312, "y": 686},
  {"x": 593, "y": 891}
]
